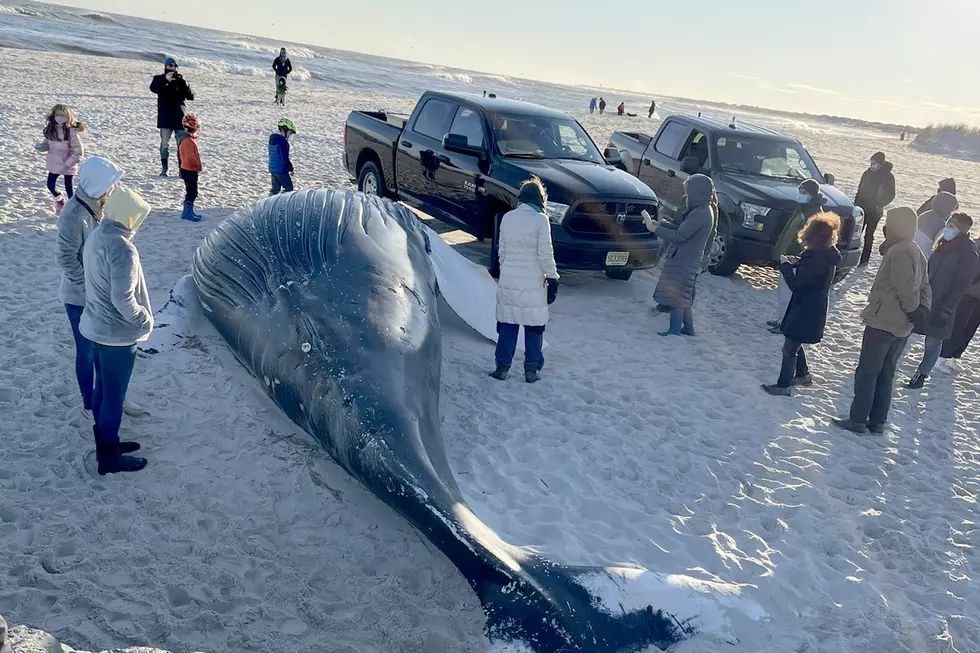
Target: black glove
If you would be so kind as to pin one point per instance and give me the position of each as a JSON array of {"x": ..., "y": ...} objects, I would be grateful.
[{"x": 552, "y": 290}]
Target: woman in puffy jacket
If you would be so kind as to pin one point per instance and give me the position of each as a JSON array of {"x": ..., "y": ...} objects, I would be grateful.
[
  {"x": 528, "y": 280},
  {"x": 64, "y": 149}
]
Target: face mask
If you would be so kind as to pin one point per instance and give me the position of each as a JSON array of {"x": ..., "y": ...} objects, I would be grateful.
[
  {"x": 949, "y": 233},
  {"x": 803, "y": 198},
  {"x": 60, "y": 120}
]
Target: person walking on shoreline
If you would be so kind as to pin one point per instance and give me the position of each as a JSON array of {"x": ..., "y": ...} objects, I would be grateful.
[
  {"x": 282, "y": 66},
  {"x": 172, "y": 92},
  {"x": 602, "y": 106},
  {"x": 653, "y": 109},
  {"x": 875, "y": 191}
]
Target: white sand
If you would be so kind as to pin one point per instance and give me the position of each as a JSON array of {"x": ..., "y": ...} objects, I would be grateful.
[{"x": 242, "y": 536}]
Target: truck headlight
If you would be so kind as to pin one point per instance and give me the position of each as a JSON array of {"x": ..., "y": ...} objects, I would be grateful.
[
  {"x": 556, "y": 212},
  {"x": 858, "y": 219},
  {"x": 750, "y": 215}
]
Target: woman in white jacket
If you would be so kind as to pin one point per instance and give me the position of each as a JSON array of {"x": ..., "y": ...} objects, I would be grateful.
[{"x": 528, "y": 280}]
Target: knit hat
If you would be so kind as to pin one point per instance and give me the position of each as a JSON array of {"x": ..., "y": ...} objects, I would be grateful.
[
  {"x": 533, "y": 192},
  {"x": 811, "y": 188},
  {"x": 878, "y": 157},
  {"x": 170, "y": 62}
]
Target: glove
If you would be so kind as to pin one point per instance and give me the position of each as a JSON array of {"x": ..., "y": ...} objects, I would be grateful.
[{"x": 552, "y": 291}]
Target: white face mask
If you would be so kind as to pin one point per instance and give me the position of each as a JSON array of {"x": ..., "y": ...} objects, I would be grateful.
[
  {"x": 60, "y": 120},
  {"x": 803, "y": 198}
]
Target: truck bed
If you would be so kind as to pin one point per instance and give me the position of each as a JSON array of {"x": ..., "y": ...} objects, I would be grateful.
[{"x": 394, "y": 119}]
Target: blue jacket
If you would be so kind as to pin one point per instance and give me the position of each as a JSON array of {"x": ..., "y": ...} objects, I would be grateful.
[{"x": 279, "y": 162}]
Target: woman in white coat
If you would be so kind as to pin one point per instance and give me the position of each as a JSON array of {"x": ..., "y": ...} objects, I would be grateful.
[{"x": 528, "y": 280}]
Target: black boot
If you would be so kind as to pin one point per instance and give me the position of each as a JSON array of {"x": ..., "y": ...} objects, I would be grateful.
[
  {"x": 111, "y": 461},
  {"x": 531, "y": 373},
  {"x": 917, "y": 381},
  {"x": 124, "y": 447},
  {"x": 500, "y": 373},
  {"x": 164, "y": 165}
]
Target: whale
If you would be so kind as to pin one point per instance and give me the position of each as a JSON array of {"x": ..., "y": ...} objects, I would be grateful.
[{"x": 330, "y": 300}]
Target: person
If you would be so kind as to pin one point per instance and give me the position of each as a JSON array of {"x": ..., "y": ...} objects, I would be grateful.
[
  {"x": 282, "y": 66},
  {"x": 875, "y": 191},
  {"x": 621, "y": 109},
  {"x": 64, "y": 149},
  {"x": 602, "y": 106},
  {"x": 653, "y": 109},
  {"x": 281, "y": 91},
  {"x": 117, "y": 316},
  {"x": 965, "y": 324},
  {"x": 900, "y": 292},
  {"x": 190, "y": 165},
  {"x": 172, "y": 92},
  {"x": 676, "y": 286},
  {"x": 952, "y": 269},
  {"x": 811, "y": 201},
  {"x": 810, "y": 278},
  {"x": 528, "y": 281},
  {"x": 945, "y": 186},
  {"x": 933, "y": 220},
  {"x": 592, "y": 105},
  {"x": 96, "y": 178},
  {"x": 280, "y": 165}
]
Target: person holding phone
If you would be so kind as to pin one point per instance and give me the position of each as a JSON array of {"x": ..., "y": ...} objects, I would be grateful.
[{"x": 172, "y": 92}]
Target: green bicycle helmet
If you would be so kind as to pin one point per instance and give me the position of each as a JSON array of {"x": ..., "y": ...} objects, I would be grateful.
[{"x": 287, "y": 125}]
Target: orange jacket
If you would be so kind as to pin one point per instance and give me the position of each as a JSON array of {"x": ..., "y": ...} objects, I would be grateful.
[{"x": 190, "y": 157}]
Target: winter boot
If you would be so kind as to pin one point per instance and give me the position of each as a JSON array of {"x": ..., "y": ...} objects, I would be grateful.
[
  {"x": 188, "y": 213},
  {"x": 917, "y": 381},
  {"x": 531, "y": 373},
  {"x": 164, "y": 166},
  {"x": 500, "y": 373},
  {"x": 804, "y": 381},
  {"x": 777, "y": 391},
  {"x": 124, "y": 447},
  {"x": 848, "y": 425},
  {"x": 111, "y": 461}
]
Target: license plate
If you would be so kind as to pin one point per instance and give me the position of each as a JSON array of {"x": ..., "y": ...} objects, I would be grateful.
[{"x": 617, "y": 259}]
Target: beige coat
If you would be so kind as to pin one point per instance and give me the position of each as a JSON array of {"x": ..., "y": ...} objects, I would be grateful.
[{"x": 902, "y": 282}]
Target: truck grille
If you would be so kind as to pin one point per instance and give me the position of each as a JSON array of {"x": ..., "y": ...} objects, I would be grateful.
[
  {"x": 598, "y": 220},
  {"x": 846, "y": 231}
]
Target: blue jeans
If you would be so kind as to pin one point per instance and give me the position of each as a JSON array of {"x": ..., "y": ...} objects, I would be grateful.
[
  {"x": 113, "y": 369},
  {"x": 930, "y": 356},
  {"x": 507, "y": 345},
  {"x": 84, "y": 356}
]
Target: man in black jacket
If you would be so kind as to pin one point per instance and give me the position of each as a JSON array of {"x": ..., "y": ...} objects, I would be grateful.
[
  {"x": 952, "y": 269},
  {"x": 283, "y": 66},
  {"x": 875, "y": 192},
  {"x": 172, "y": 91}
]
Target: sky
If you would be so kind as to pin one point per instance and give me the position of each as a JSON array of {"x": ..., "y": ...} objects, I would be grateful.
[{"x": 899, "y": 61}]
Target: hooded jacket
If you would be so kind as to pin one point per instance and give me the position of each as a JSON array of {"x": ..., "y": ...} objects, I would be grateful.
[
  {"x": 282, "y": 65},
  {"x": 901, "y": 285},
  {"x": 675, "y": 288},
  {"x": 947, "y": 185},
  {"x": 810, "y": 279},
  {"x": 952, "y": 270},
  {"x": 527, "y": 258},
  {"x": 80, "y": 215},
  {"x": 171, "y": 96},
  {"x": 876, "y": 190},
  {"x": 279, "y": 162},
  {"x": 64, "y": 156},
  {"x": 932, "y": 222},
  {"x": 117, "y": 304}
]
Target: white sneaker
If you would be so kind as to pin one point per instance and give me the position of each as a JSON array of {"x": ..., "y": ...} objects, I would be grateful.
[
  {"x": 942, "y": 367},
  {"x": 133, "y": 409},
  {"x": 954, "y": 366}
]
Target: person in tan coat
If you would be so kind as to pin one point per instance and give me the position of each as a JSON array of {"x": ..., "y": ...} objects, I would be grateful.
[{"x": 900, "y": 288}]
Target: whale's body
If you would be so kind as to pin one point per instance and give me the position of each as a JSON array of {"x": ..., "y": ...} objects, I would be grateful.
[{"x": 329, "y": 298}]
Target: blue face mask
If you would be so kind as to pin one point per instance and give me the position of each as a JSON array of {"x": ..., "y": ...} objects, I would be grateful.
[
  {"x": 803, "y": 198},
  {"x": 949, "y": 233}
]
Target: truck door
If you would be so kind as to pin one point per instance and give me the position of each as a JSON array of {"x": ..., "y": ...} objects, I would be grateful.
[
  {"x": 459, "y": 177},
  {"x": 416, "y": 163},
  {"x": 661, "y": 164}
]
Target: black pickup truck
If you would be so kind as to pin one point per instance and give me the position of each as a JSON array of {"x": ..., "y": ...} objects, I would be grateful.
[
  {"x": 756, "y": 172},
  {"x": 461, "y": 159}
]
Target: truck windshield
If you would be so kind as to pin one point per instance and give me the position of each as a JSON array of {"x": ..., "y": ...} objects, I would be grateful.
[
  {"x": 543, "y": 137},
  {"x": 765, "y": 158}
]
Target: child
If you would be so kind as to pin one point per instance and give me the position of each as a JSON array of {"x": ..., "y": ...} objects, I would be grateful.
[
  {"x": 190, "y": 164},
  {"x": 280, "y": 167},
  {"x": 64, "y": 150},
  {"x": 810, "y": 278},
  {"x": 281, "y": 91}
]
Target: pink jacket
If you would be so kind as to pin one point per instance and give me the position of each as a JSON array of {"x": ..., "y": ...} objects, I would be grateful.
[{"x": 63, "y": 156}]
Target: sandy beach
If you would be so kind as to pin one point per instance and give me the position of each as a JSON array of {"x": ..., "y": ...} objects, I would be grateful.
[{"x": 242, "y": 535}]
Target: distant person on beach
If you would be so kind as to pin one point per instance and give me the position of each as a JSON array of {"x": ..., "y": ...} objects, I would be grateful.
[
  {"x": 621, "y": 109},
  {"x": 190, "y": 165},
  {"x": 684, "y": 260},
  {"x": 965, "y": 324},
  {"x": 96, "y": 179},
  {"x": 281, "y": 91},
  {"x": 280, "y": 165},
  {"x": 528, "y": 281},
  {"x": 117, "y": 316},
  {"x": 602, "y": 106},
  {"x": 952, "y": 269},
  {"x": 945, "y": 186},
  {"x": 810, "y": 278},
  {"x": 653, "y": 109},
  {"x": 899, "y": 295},
  {"x": 172, "y": 91},
  {"x": 282, "y": 66},
  {"x": 933, "y": 221},
  {"x": 593, "y": 105},
  {"x": 875, "y": 192},
  {"x": 64, "y": 148}
]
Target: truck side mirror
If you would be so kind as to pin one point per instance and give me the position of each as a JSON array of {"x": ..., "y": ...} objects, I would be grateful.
[
  {"x": 829, "y": 179},
  {"x": 461, "y": 145},
  {"x": 613, "y": 157},
  {"x": 690, "y": 165}
]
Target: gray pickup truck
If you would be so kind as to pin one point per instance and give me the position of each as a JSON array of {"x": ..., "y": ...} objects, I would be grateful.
[{"x": 756, "y": 172}]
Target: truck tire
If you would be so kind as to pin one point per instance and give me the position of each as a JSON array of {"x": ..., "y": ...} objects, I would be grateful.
[
  {"x": 840, "y": 275},
  {"x": 370, "y": 181},
  {"x": 619, "y": 275},
  {"x": 721, "y": 260},
  {"x": 494, "y": 266}
]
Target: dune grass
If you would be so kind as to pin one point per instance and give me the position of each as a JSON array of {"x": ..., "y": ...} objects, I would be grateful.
[{"x": 953, "y": 128}]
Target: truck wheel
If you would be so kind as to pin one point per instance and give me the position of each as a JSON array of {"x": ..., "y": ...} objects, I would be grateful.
[
  {"x": 840, "y": 275},
  {"x": 619, "y": 275},
  {"x": 370, "y": 181},
  {"x": 494, "y": 251},
  {"x": 721, "y": 258}
]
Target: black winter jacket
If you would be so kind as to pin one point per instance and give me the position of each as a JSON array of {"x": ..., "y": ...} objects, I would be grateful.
[
  {"x": 282, "y": 66},
  {"x": 810, "y": 279},
  {"x": 952, "y": 270},
  {"x": 876, "y": 190},
  {"x": 170, "y": 101}
]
